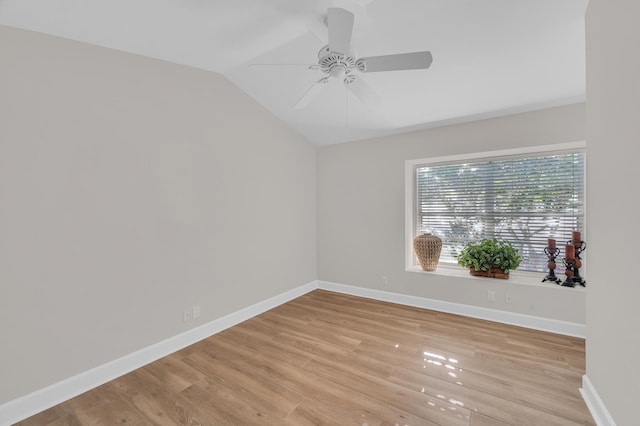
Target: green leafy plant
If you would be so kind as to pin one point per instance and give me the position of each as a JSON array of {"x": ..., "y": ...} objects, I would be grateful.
[{"x": 483, "y": 254}]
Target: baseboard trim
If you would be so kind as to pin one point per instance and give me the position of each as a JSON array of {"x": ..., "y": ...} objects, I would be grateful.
[
  {"x": 42, "y": 399},
  {"x": 522, "y": 320},
  {"x": 596, "y": 406}
]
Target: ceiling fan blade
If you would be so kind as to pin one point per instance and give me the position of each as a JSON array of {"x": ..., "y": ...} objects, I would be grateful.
[
  {"x": 340, "y": 23},
  {"x": 307, "y": 65},
  {"x": 363, "y": 92},
  {"x": 311, "y": 94},
  {"x": 397, "y": 62}
]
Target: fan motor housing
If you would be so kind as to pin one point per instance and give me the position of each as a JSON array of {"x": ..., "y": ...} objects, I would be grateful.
[{"x": 329, "y": 61}]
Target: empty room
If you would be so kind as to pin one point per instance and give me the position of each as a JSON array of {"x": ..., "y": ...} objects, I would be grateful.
[{"x": 340, "y": 212}]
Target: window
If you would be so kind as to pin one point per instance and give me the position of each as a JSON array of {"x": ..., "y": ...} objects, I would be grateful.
[{"x": 523, "y": 198}]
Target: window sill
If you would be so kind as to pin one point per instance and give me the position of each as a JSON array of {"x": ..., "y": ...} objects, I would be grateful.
[{"x": 518, "y": 278}]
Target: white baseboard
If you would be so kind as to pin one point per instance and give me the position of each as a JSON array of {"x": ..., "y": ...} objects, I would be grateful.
[
  {"x": 42, "y": 399},
  {"x": 595, "y": 405},
  {"x": 522, "y": 320}
]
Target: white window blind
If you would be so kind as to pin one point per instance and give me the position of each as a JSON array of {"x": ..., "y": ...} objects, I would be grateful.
[{"x": 523, "y": 200}]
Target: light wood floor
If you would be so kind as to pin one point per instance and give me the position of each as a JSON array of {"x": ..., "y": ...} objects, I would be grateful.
[{"x": 332, "y": 359}]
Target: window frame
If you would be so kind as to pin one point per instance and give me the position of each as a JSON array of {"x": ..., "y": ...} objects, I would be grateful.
[{"x": 410, "y": 191}]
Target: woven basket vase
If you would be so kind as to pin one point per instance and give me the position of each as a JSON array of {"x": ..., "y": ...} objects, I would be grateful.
[{"x": 428, "y": 248}]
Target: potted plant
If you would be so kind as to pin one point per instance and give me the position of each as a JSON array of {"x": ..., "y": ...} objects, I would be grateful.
[{"x": 489, "y": 257}]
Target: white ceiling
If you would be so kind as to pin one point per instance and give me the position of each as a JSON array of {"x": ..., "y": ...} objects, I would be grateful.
[{"x": 490, "y": 57}]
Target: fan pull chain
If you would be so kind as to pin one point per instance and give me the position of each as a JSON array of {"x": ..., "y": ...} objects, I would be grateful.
[{"x": 346, "y": 102}]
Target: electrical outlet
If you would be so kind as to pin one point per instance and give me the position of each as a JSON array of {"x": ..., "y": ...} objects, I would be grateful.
[
  {"x": 508, "y": 299},
  {"x": 383, "y": 280},
  {"x": 186, "y": 316},
  {"x": 491, "y": 296},
  {"x": 196, "y": 311}
]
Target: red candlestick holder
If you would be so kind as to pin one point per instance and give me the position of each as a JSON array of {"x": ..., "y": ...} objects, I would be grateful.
[
  {"x": 568, "y": 264},
  {"x": 552, "y": 253},
  {"x": 579, "y": 247}
]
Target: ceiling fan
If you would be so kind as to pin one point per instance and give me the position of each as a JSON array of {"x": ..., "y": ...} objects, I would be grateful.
[{"x": 335, "y": 60}]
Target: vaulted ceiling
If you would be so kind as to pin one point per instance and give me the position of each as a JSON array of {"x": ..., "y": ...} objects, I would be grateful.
[{"x": 490, "y": 57}]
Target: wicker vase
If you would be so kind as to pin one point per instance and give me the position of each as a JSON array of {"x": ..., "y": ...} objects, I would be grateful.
[{"x": 427, "y": 248}]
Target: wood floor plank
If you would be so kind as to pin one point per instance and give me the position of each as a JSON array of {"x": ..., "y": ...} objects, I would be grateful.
[
  {"x": 454, "y": 373},
  {"x": 237, "y": 377},
  {"x": 391, "y": 394},
  {"x": 312, "y": 413},
  {"x": 504, "y": 410},
  {"x": 174, "y": 374},
  {"x": 105, "y": 406},
  {"x": 570, "y": 407},
  {"x": 478, "y": 419},
  {"x": 214, "y": 404},
  {"x": 155, "y": 401},
  {"x": 396, "y": 417},
  {"x": 225, "y": 348},
  {"x": 333, "y": 359}
]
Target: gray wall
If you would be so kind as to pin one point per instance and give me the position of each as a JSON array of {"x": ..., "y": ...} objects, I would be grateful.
[
  {"x": 361, "y": 213},
  {"x": 132, "y": 189},
  {"x": 613, "y": 176}
]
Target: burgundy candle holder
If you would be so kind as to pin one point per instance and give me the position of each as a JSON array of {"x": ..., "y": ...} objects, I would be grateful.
[
  {"x": 552, "y": 253},
  {"x": 568, "y": 264},
  {"x": 579, "y": 246}
]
